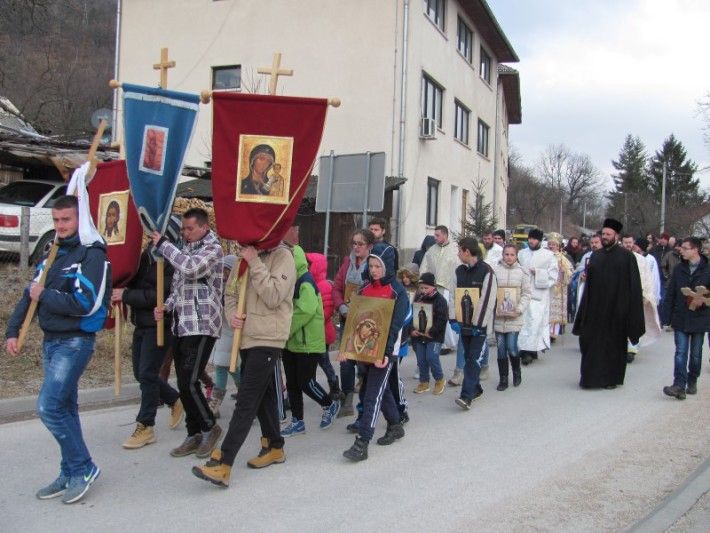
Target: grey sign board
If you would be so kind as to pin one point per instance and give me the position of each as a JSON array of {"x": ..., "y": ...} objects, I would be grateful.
[{"x": 346, "y": 183}]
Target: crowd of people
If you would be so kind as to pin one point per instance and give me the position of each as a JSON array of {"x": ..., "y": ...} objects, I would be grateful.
[{"x": 480, "y": 295}]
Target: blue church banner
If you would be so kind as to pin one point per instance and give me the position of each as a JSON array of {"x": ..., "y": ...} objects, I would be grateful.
[{"x": 158, "y": 125}]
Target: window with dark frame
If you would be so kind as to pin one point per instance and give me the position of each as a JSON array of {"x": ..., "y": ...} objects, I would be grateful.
[
  {"x": 461, "y": 113},
  {"x": 432, "y": 98},
  {"x": 483, "y": 130},
  {"x": 227, "y": 78},
  {"x": 432, "y": 202},
  {"x": 465, "y": 40},
  {"x": 485, "y": 65},
  {"x": 435, "y": 10}
]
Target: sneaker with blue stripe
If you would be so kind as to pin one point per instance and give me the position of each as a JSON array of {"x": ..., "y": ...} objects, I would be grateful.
[
  {"x": 296, "y": 427},
  {"x": 79, "y": 485},
  {"x": 329, "y": 414},
  {"x": 54, "y": 489}
]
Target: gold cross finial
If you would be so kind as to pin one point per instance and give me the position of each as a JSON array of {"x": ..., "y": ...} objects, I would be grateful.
[
  {"x": 163, "y": 67},
  {"x": 275, "y": 72}
]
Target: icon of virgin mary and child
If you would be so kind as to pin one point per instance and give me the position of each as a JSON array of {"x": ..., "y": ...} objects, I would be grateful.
[
  {"x": 262, "y": 159},
  {"x": 363, "y": 341}
]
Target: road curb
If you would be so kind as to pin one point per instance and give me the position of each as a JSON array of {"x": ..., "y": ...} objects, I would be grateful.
[
  {"x": 25, "y": 407},
  {"x": 676, "y": 504}
]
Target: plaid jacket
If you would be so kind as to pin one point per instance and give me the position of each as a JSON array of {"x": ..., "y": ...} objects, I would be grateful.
[{"x": 196, "y": 294}]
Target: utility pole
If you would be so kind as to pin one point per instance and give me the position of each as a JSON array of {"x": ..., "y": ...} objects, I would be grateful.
[
  {"x": 562, "y": 201},
  {"x": 663, "y": 199},
  {"x": 584, "y": 215}
]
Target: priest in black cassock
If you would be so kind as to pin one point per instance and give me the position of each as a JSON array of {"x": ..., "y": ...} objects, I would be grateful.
[{"x": 610, "y": 313}]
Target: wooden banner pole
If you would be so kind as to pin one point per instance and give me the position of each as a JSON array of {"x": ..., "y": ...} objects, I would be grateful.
[
  {"x": 91, "y": 157},
  {"x": 241, "y": 306},
  {"x": 117, "y": 312}
]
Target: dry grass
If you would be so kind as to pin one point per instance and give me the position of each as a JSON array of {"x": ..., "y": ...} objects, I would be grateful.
[{"x": 22, "y": 376}]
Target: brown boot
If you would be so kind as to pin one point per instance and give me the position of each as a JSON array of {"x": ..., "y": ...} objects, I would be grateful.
[
  {"x": 188, "y": 446},
  {"x": 214, "y": 470},
  {"x": 267, "y": 456}
]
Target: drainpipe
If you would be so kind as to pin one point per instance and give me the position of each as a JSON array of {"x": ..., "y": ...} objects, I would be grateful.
[
  {"x": 496, "y": 144},
  {"x": 402, "y": 113},
  {"x": 117, "y": 55}
]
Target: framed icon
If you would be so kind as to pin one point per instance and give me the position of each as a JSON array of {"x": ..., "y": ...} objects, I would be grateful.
[
  {"x": 507, "y": 301},
  {"x": 264, "y": 169},
  {"x": 465, "y": 301},
  {"x": 367, "y": 328},
  {"x": 112, "y": 216}
]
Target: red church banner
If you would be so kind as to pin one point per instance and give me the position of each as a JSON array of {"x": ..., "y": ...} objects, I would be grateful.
[
  {"x": 117, "y": 221},
  {"x": 263, "y": 151}
]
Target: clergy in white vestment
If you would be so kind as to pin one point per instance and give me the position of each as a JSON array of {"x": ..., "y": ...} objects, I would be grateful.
[{"x": 541, "y": 265}]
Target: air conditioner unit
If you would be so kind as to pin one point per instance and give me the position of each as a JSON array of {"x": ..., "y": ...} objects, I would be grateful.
[{"x": 427, "y": 128}]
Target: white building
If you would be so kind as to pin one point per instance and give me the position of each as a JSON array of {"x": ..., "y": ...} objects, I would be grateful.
[{"x": 421, "y": 80}]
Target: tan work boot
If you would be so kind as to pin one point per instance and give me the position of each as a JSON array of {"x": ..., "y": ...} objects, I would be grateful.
[
  {"x": 177, "y": 413},
  {"x": 188, "y": 446},
  {"x": 214, "y": 470},
  {"x": 267, "y": 456},
  {"x": 439, "y": 386},
  {"x": 142, "y": 435},
  {"x": 422, "y": 387},
  {"x": 209, "y": 442}
]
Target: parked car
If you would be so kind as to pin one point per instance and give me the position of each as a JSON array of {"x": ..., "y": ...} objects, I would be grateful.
[{"x": 39, "y": 196}]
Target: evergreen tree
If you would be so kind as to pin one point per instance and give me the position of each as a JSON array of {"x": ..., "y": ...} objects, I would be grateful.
[
  {"x": 631, "y": 201},
  {"x": 480, "y": 216},
  {"x": 682, "y": 188}
]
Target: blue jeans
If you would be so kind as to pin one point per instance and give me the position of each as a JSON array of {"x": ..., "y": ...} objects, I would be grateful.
[
  {"x": 486, "y": 350},
  {"x": 428, "y": 358},
  {"x": 507, "y": 344},
  {"x": 64, "y": 361},
  {"x": 687, "y": 371},
  {"x": 473, "y": 355},
  {"x": 460, "y": 360}
]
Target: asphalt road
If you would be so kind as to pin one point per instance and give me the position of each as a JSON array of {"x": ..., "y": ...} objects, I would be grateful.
[{"x": 545, "y": 456}]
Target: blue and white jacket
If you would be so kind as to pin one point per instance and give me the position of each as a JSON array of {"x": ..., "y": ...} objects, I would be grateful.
[{"x": 77, "y": 292}]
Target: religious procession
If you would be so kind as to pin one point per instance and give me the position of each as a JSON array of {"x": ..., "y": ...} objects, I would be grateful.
[{"x": 231, "y": 295}]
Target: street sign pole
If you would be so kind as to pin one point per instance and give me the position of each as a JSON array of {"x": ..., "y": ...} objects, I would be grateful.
[
  {"x": 367, "y": 190},
  {"x": 330, "y": 197}
]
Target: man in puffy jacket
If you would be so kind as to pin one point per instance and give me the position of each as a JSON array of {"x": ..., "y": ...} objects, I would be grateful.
[
  {"x": 147, "y": 356},
  {"x": 689, "y": 315},
  {"x": 72, "y": 307}
]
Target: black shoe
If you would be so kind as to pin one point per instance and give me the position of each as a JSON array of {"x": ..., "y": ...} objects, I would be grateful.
[
  {"x": 358, "y": 451},
  {"x": 233, "y": 396},
  {"x": 630, "y": 357},
  {"x": 675, "y": 391},
  {"x": 394, "y": 432},
  {"x": 610, "y": 387},
  {"x": 403, "y": 417},
  {"x": 692, "y": 388},
  {"x": 445, "y": 351},
  {"x": 464, "y": 403},
  {"x": 503, "y": 372},
  {"x": 354, "y": 427},
  {"x": 526, "y": 357},
  {"x": 517, "y": 376}
]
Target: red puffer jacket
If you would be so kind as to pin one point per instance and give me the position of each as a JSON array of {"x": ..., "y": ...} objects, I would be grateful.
[{"x": 318, "y": 267}]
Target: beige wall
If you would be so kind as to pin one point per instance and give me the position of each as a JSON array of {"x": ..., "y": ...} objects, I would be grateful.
[{"x": 344, "y": 48}]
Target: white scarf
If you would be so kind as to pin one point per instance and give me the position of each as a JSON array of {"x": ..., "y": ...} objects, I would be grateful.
[{"x": 88, "y": 234}]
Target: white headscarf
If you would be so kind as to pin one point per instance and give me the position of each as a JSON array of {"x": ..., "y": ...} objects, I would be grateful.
[{"x": 88, "y": 234}]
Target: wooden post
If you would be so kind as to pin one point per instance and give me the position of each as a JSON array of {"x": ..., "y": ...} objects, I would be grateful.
[
  {"x": 241, "y": 306},
  {"x": 160, "y": 299},
  {"x": 163, "y": 67},
  {"x": 24, "y": 237},
  {"x": 117, "y": 312},
  {"x": 91, "y": 157},
  {"x": 275, "y": 71}
]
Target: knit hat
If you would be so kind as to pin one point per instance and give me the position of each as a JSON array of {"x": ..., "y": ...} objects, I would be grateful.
[
  {"x": 427, "y": 279},
  {"x": 229, "y": 261}
]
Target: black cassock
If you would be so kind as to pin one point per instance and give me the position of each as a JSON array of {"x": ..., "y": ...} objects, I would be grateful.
[{"x": 611, "y": 311}]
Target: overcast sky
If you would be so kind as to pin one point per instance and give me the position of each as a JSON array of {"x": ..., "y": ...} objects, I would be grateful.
[{"x": 592, "y": 71}]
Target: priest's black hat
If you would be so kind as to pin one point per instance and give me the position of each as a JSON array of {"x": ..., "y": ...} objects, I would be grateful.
[
  {"x": 535, "y": 233},
  {"x": 613, "y": 224}
]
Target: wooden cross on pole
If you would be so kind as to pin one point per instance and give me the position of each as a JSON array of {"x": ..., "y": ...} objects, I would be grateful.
[
  {"x": 275, "y": 71},
  {"x": 163, "y": 67}
]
